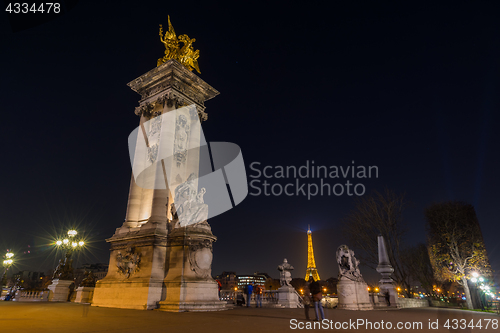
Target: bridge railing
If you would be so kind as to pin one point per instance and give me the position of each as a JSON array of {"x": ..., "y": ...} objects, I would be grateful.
[
  {"x": 268, "y": 296},
  {"x": 301, "y": 299},
  {"x": 32, "y": 296}
]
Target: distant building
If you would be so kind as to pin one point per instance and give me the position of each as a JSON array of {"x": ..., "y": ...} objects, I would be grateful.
[
  {"x": 28, "y": 276},
  {"x": 228, "y": 280},
  {"x": 99, "y": 270},
  {"x": 28, "y": 280},
  {"x": 256, "y": 278}
]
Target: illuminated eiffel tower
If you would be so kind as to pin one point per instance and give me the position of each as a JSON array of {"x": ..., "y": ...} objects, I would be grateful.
[{"x": 311, "y": 270}]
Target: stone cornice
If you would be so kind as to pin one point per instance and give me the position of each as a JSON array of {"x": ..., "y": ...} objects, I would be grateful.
[{"x": 173, "y": 83}]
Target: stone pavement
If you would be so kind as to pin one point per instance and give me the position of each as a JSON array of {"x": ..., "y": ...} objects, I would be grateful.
[{"x": 72, "y": 317}]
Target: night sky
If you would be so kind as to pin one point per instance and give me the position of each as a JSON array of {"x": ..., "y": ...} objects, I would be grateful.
[{"x": 409, "y": 87}]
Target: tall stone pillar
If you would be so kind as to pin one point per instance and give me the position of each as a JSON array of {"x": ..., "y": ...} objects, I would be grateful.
[
  {"x": 386, "y": 283},
  {"x": 138, "y": 258}
]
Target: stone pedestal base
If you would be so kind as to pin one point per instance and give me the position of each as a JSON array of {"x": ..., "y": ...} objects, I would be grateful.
[
  {"x": 59, "y": 290},
  {"x": 84, "y": 294},
  {"x": 136, "y": 269},
  {"x": 393, "y": 295},
  {"x": 139, "y": 294},
  {"x": 353, "y": 295},
  {"x": 192, "y": 296},
  {"x": 287, "y": 297},
  {"x": 189, "y": 284}
]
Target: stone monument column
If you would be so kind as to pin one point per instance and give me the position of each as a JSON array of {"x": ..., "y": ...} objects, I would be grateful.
[
  {"x": 138, "y": 259},
  {"x": 386, "y": 283}
]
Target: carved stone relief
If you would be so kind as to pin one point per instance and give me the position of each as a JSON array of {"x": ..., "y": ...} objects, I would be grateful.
[{"x": 129, "y": 262}]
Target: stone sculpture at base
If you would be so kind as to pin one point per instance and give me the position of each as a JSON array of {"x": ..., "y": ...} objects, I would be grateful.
[
  {"x": 287, "y": 295},
  {"x": 351, "y": 288},
  {"x": 62, "y": 280}
]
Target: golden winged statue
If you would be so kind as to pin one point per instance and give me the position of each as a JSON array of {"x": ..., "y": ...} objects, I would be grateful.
[{"x": 186, "y": 55}]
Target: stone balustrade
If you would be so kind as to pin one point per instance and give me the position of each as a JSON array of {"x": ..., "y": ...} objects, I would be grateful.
[
  {"x": 269, "y": 297},
  {"x": 31, "y": 296},
  {"x": 412, "y": 303}
]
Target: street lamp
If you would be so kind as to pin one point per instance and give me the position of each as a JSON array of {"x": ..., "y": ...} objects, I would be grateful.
[
  {"x": 476, "y": 279},
  {"x": 71, "y": 242},
  {"x": 64, "y": 270}
]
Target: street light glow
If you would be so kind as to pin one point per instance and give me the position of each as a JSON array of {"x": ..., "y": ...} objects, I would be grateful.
[
  {"x": 8, "y": 262},
  {"x": 481, "y": 279},
  {"x": 474, "y": 280},
  {"x": 74, "y": 244},
  {"x": 72, "y": 233},
  {"x": 475, "y": 274},
  {"x": 9, "y": 255},
  {"x": 65, "y": 241},
  {"x": 59, "y": 243},
  {"x": 81, "y": 243}
]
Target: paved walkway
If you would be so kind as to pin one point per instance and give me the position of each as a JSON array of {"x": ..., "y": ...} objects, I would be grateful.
[{"x": 71, "y": 317}]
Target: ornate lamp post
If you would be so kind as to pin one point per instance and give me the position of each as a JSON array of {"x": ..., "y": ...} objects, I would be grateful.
[
  {"x": 7, "y": 263},
  {"x": 63, "y": 274}
]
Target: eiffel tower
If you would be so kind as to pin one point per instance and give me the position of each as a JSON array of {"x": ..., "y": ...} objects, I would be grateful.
[{"x": 311, "y": 271}]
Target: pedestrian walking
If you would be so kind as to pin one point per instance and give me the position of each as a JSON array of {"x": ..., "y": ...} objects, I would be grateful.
[
  {"x": 317, "y": 295},
  {"x": 249, "y": 291},
  {"x": 258, "y": 296},
  {"x": 307, "y": 300},
  {"x": 387, "y": 298}
]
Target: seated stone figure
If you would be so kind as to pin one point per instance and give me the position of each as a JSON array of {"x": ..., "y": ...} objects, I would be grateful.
[{"x": 190, "y": 207}]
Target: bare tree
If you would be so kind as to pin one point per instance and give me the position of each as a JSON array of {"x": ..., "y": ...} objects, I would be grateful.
[
  {"x": 380, "y": 214},
  {"x": 456, "y": 246}
]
